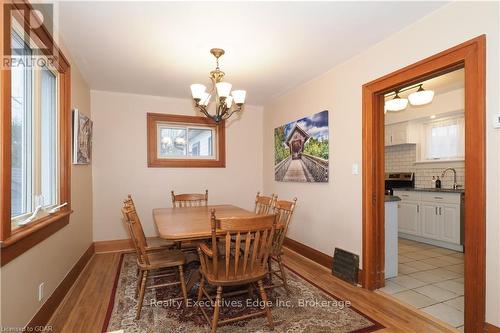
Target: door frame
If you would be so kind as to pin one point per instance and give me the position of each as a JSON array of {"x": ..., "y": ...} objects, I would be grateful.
[{"x": 470, "y": 55}]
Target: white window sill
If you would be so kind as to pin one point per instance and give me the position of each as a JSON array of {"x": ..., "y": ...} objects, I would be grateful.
[{"x": 457, "y": 162}]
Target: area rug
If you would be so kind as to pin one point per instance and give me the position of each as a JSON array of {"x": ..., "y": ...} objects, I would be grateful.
[{"x": 307, "y": 308}]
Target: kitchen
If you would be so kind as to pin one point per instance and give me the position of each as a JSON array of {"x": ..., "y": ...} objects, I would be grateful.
[{"x": 425, "y": 173}]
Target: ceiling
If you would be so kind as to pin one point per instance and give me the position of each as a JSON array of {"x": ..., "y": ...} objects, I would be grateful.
[{"x": 160, "y": 48}]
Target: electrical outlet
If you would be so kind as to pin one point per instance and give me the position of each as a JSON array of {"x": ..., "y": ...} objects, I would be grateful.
[{"x": 40, "y": 291}]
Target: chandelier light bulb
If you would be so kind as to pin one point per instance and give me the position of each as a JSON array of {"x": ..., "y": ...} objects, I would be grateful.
[
  {"x": 197, "y": 91},
  {"x": 239, "y": 96},
  {"x": 205, "y": 99},
  {"x": 223, "y": 89}
]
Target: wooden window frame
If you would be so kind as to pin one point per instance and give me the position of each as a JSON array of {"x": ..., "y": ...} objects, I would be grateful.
[
  {"x": 15, "y": 242},
  {"x": 470, "y": 55},
  {"x": 154, "y": 162}
]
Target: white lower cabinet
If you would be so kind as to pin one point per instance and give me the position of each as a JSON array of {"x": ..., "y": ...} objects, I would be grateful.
[
  {"x": 408, "y": 217},
  {"x": 429, "y": 219},
  {"x": 429, "y": 216},
  {"x": 450, "y": 220}
]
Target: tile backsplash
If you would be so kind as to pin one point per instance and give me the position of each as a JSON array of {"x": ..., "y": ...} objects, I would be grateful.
[{"x": 401, "y": 158}]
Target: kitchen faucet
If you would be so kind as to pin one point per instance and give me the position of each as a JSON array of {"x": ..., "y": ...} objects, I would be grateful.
[{"x": 455, "y": 185}]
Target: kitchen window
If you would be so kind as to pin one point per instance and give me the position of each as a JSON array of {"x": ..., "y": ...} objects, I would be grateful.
[{"x": 444, "y": 139}]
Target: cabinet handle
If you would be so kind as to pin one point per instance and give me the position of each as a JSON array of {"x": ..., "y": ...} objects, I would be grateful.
[
  {"x": 438, "y": 197},
  {"x": 418, "y": 208},
  {"x": 404, "y": 195},
  {"x": 436, "y": 210},
  {"x": 439, "y": 210}
]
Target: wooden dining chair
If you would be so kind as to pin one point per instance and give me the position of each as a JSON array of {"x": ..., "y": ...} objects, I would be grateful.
[
  {"x": 189, "y": 199},
  {"x": 152, "y": 244},
  {"x": 227, "y": 263},
  {"x": 264, "y": 204},
  {"x": 284, "y": 210},
  {"x": 149, "y": 261}
]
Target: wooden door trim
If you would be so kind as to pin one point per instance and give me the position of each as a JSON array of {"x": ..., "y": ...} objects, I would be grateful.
[{"x": 470, "y": 55}]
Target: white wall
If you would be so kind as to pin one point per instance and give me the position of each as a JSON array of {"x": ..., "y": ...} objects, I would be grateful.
[
  {"x": 120, "y": 161},
  {"x": 329, "y": 215}
]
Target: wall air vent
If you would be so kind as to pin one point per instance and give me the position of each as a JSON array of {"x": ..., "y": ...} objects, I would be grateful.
[{"x": 345, "y": 265}]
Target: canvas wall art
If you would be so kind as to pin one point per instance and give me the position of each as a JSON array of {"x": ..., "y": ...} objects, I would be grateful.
[
  {"x": 301, "y": 150},
  {"x": 82, "y": 138}
]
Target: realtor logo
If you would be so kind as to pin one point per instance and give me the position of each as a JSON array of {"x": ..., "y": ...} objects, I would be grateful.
[{"x": 29, "y": 24}]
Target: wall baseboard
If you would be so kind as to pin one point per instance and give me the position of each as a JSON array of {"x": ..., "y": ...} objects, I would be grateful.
[
  {"x": 49, "y": 307},
  {"x": 117, "y": 245},
  {"x": 317, "y": 256},
  {"x": 310, "y": 253},
  {"x": 490, "y": 328}
]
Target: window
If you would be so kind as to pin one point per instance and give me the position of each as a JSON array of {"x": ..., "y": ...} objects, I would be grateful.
[
  {"x": 35, "y": 137},
  {"x": 184, "y": 141},
  {"x": 444, "y": 139}
]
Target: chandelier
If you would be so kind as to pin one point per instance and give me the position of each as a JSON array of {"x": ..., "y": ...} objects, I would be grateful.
[{"x": 227, "y": 102}]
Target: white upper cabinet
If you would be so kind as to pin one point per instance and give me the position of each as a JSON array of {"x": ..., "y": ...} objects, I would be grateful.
[{"x": 400, "y": 133}]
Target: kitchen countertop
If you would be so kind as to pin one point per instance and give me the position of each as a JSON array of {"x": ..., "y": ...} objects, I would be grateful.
[
  {"x": 421, "y": 189},
  {"x": 391, "y": 198}
]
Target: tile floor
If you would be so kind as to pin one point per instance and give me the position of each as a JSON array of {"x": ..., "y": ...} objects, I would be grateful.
[{"x": 430, "y": 278}]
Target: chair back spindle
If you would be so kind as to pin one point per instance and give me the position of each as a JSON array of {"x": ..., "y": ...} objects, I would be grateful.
[
  {"x": 264, "y": 204},
  {"x": 284, "y": 211},
  {"x": 189, "y": 200},
  {"x": 136, "y": 232},
  {"x": 241, "y": 245}
]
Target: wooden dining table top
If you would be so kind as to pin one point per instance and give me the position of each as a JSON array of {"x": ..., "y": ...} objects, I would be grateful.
[{"x": 191, "y": 223}]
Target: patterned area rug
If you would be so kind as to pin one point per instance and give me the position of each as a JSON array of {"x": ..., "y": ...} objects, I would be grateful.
[{"x": 306, "y": 309}]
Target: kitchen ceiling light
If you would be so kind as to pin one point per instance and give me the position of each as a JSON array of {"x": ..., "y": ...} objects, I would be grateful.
[
  {"x": 396, "y": 104},
  {"x": 421, "y": 96}
]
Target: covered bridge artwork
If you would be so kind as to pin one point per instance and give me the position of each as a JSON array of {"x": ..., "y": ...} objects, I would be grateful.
[{"x": 302, "y": 150}]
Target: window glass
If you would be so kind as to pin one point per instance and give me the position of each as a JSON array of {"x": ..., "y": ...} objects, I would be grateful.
[
  {"x": 34, "y": 114},
  {"x": 172, "y": 142},
  {"x": 184, "y": 141},
  {"x": 49, "y": 125},
  {"x": 200, "y": 142},
  {"x": 21, "y": 85},
  {"x": 445, "y": 139}
]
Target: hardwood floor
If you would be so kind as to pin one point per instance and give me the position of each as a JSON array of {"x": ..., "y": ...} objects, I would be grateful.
[{"x": 84, "y": 308}]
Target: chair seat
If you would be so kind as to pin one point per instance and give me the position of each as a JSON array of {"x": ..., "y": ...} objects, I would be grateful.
[
  {"x": 156, "y": 243},
  {"x": 256, "y": 274},
  {"x": 164, "y": 259}
]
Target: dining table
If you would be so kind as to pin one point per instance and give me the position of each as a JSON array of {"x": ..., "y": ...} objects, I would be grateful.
[{"x": 184, "y": 224}]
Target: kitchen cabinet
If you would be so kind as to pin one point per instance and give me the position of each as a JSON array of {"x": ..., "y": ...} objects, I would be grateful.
[
  {"x": 430, "y": 217},
  {"x": 408, "y": 217},
  {"x": 399, "y": 133}
]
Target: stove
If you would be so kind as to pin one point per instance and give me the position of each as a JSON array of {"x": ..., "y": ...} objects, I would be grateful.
[{"x": 398, "y": 180}]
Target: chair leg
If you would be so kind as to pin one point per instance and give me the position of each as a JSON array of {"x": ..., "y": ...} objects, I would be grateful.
[
  {"x": 269, "y": 269},
  {"x": 183, "y": 285},
  {"x": 263, "y": 295},
  {"x": 141, "y": 294},
  {"x": 200, "y": 288},
  {"x": 139, "y": 281},
  {"x": 283, "y": 274},
  {"x": 215, "y": 319}
]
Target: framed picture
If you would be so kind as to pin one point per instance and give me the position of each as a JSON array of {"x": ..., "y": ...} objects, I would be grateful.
[
  {"x": 82, "y": 138},
  {"x": 185, "y": 141},
  {"x": 301, "y": 150}
]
